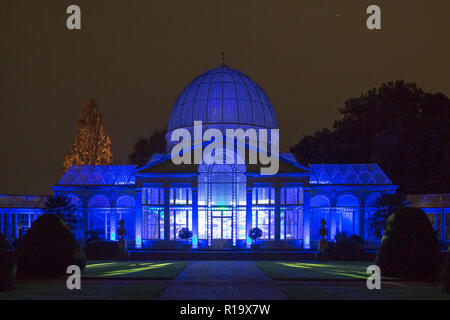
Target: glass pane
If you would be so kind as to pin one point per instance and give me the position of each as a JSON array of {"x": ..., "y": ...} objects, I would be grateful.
[
  {"x": 226, "y": 228},
  {"x": 217, "y": 228}
]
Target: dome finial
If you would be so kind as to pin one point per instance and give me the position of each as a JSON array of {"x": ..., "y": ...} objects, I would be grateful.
[{"x": 222, "y": 57}]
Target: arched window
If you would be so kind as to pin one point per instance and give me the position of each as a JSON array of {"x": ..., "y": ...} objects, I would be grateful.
[
  {"x": 221, "y": 199},
  {"x": 98, "y": 201},
  {"x": 99, "y": 218},
  {"x": 125, "y": 201},
  {"x": 347, "y": 209},
  {"x": 320, "y": 209},
  {"x": 125, "y": 209}
]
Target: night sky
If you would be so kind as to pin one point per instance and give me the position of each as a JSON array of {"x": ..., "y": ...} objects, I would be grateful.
[{"x": 135, "y": 57}]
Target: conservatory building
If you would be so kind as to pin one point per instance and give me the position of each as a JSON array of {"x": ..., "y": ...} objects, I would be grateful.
[{"x": 220, "y": 203}]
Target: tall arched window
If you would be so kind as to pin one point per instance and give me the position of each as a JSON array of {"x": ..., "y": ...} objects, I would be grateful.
[
  {"x": 125, "y": 209},
  {"x": 99, "y": 219},
  {"x": 320, "y": 209},
  {"x": 348, "y": 209},
  {"x": 221, "y": 199}
]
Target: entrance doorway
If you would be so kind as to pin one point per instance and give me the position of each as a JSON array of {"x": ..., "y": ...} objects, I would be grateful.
[
  {"x": 221, "y": 224},
  {"x": 222, "y": 229}
]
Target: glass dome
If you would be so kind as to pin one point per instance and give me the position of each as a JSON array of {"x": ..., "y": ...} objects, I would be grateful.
[{"x": 223, "y": 97}]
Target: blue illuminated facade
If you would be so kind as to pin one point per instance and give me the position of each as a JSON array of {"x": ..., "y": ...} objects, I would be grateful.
[{"x": 220, "y": 203}]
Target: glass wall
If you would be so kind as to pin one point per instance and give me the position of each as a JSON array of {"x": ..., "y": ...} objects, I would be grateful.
[
  {"x": 347, "y": 214},
  {"x": 291, "y": 213},
  {"x": 320, "y": 209},
  {"x": 152, "y": 213},
  {"x": 124, "y": 209},
  {"x": 180, "y": 210},
  {"x": 14, "y": 223},
  {"x": 99, "y": 216},
  {"x": 263, "y": 211},
  {"x": 221, "y": 202}
]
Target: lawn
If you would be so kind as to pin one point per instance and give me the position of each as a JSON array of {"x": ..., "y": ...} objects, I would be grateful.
[
  {"x": 102, "y": 280},
  {"x": 133, "y": 270},
  {"x": 336, "y": 270},
  {"x": 351, "y": 290},
  {"x": 336, "y": 280},
  {"x": 56, "y": 289}
]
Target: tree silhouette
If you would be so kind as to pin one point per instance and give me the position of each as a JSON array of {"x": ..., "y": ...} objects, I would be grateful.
[
  {"x": 387, "y": 205},
  {"x": 399, "y": 126},
  {"x": 146, "y": 147}
]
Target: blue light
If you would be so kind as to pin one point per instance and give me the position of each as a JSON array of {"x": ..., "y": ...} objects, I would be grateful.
[
  {"x": 307, "y": 244},
  {"x": 138, "y": 242},
  {"x": 249, "y": 241},
  {"x": 195, "y": 241},
  {"x": 113, "y": 236}
]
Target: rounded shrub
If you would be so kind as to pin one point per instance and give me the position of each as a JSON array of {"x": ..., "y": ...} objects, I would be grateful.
[
  {"x": 409, "y": 248},
  {"x": 445, "y": 272},
  {"x": 254, "y": 234},
  {"x": 185, "y": 234},
  {"x": 48, "y": 248},
  {"x": 8, "y": 265},
  {"x": 345, "y": 247}
]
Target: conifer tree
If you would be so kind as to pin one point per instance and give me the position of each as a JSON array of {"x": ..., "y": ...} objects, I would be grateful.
[{"x": 92, "y": 145}]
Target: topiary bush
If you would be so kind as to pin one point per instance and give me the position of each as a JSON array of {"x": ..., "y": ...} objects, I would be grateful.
[
  {"x": 48, "y": 248},
  {"x": 185, "y": 234},
  {"x": 8, "y": 266},
  {"x": 409, "y": 248},
  {"x": 445, "y": 272},
  {"x": 254, "y": 234},
  {"x": 345, "y": 247}
]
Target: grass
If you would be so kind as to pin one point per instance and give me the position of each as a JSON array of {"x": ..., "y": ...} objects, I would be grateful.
[
  {"x": 132, "y": 270},
  {"x": 336, "y": 270},
  {"x": 102, "y": 280},
  {"x": 334, "y": 280},
  {"x": 56, "y": 289},
  {"x": 358, "y": 291}
]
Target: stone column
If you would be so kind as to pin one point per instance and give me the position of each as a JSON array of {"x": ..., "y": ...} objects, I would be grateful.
[
  {"x": 306, "y": 220},
  {"x": 167, "y": 213},
  {"x": 277, "y": 212},
  {"x": 248, "y": 214},
  {"x": 138, "y": 219}
]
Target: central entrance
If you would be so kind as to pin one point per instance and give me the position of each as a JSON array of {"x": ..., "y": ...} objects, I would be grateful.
[
  {"x": 221, "y": 229},
  {"x": 221, "y": 224},
  {"x": 221, "y": 189}
]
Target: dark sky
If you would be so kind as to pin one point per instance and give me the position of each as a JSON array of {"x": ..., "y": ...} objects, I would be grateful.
[{"x": 135, "y": 57}]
